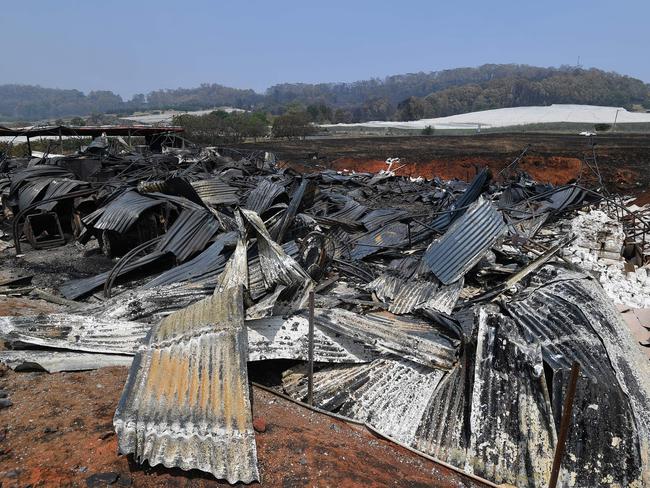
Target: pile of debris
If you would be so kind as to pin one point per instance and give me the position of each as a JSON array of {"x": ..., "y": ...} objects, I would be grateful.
[{"x": 447, "y": 314}]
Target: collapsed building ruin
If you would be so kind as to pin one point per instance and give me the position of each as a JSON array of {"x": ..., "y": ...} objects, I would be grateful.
[{"x": 447, "y": 314}]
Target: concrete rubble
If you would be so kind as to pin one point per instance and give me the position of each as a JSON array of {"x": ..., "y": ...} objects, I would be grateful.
[{"x": 447, "y": 314}]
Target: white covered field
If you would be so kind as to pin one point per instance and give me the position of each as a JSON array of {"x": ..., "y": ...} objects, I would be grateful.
[{"x": 506, "y": 117}]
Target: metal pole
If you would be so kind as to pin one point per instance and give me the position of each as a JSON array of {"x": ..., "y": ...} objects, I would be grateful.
[
  {"x": 565, "y": 423},
  {"x": 310, "y": 378}
]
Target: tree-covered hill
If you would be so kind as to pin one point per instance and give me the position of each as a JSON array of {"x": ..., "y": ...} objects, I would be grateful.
[{"x": 399, "y": 97}]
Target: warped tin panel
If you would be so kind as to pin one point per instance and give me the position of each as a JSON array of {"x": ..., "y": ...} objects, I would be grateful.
[
  {"x": 571, "y": 319},
  {"x": 465, "y": 242},
  {"x": 391, "y": 394},
  {"x": 512, "y": 430},
  {"x": 186, "y": 401},
  {"x": 413, "y": 340},
  {"x": 75, "y": 332}
]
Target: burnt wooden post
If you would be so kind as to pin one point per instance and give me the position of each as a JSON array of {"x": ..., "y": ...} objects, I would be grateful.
[
  {"x": 565, "y": 423},
  {"x": 310, "y": 377}
]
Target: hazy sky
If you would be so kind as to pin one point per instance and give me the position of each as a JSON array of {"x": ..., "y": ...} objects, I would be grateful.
[{"x": 140, "y": 45}]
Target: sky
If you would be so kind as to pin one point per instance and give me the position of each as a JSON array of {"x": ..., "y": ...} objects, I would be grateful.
[{"x": 141, "y": 45}]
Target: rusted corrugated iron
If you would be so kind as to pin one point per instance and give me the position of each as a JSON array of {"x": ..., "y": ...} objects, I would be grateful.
[{"x": 185, "y": 403}]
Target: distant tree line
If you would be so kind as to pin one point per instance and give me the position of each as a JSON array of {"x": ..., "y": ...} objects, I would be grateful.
[
  {"x": 221, "y": 127},
  {"x": 400, "y": 97}
]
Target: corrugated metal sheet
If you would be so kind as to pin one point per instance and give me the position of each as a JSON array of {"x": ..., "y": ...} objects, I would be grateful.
[
  {"x": 511, "y": 423},
  {"x": 465, "y": 242},
  {"x": 390, "y": 236},
  {"x": 390, "y": 394},
  {"x": 470, "y": 194},
  {"x": 256, "y": 286},
  {"x": 413, "y": 340},
  {"x": 444, "y": 430},
  {"x": 122, "y": 213},
  {"x": 189, "y": 233},
  {"x": 59, "y": 187},
  {"x": 426, "y": 294},
  {"x": 572, "y": 320},
  {"x": 351, "y": 211},
  {"x": 378, "y": 218},
  {"x": 32, "y": 173},
  {"x": 57, "y": 361},
  {"x": 31, "y": 192},
  {"x": 276, "y": 266},
  {"x": 75, "y": 332},
  {"x": 74, "y": 289},
  {"x": 560, "y": 198},
  {"x": 403, "y": 295},
  {"x": 280, "y": 338},
  {"x": 289, "y": 214},
  {"x": 263, "y": 196},
  {"x": 185, "y": 403},
  {"x": 210, "y": 262},
  {"x": 216, "y": 192}
]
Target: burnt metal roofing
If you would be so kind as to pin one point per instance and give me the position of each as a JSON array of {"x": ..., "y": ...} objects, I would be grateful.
[
  {"x": 404, "y": 295},
  {"x": 31, "y": 191},
  {"x": 186, "y": 403},
  {"x": 216, "y": 192},
  {"x": 568, "y": 316},
  {"x": 263, "y": 196},
  {"x": 465, "y": 242},
  {"x": 208, "y": 263},
  {"x": 57, "y": 188},
  {"x": 124, "y": 211},
  {"x": 189, "y": 233},
  {"x": 458, "y": 208},
  {"x": 280, "y": 338},
  {"x": 413, "y": 340},
  {"x": 391, "y": 394},
  {"x": 510, "y": 403},
  {"x": 57, "y": 361},
  {"x": 75, "y": 332}
]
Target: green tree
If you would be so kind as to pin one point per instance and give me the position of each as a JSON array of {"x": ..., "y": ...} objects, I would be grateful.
[{"x": 292, "y": 125}]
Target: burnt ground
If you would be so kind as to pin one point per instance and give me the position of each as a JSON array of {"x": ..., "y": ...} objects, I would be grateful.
[
  {"x": 59, "y": 432},
  {"x": 623, "y": 158}
]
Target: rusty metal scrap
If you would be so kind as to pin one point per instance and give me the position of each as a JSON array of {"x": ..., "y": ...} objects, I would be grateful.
[{"x": 185, "y": 403}]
